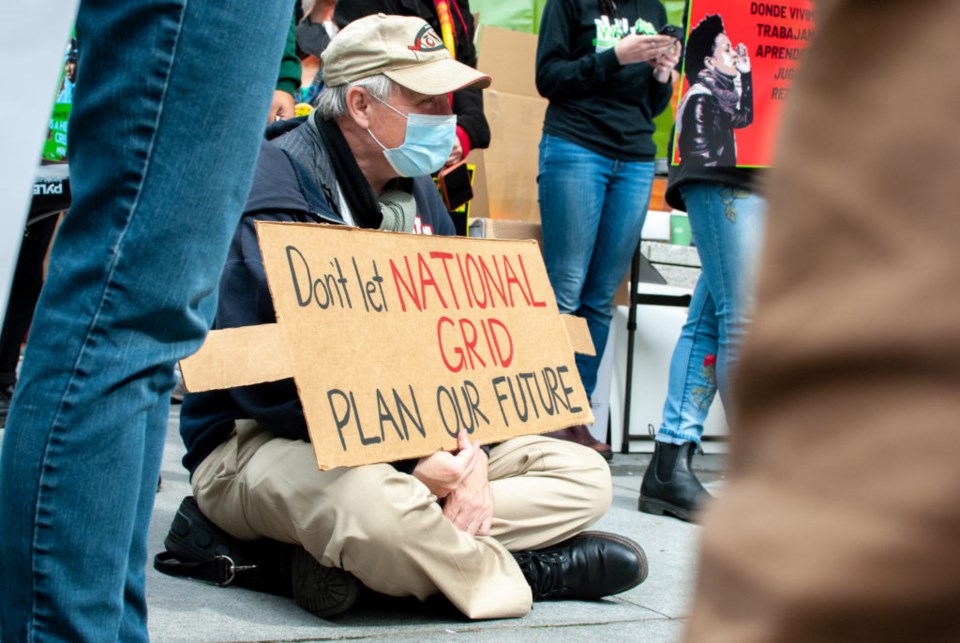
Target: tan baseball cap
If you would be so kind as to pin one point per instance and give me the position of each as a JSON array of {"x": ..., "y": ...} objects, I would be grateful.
[{"x": 404, "y": 49}]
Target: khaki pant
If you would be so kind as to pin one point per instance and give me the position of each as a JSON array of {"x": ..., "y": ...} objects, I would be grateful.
[
  {"x": 841, "y": 520},
  {"x": 388, "y": 530}
]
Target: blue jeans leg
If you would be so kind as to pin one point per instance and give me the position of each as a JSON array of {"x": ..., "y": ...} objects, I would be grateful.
[
  {"x": 168, "y": 114},
  {"x": 592, "y": 209},
  {"x": 727, "y": 226}
]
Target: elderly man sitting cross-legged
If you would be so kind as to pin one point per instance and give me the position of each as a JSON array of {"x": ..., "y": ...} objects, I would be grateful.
[{"x": 490, "y": 528}]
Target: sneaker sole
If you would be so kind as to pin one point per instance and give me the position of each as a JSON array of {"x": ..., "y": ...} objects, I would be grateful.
[{"x": 323, "y": 591}]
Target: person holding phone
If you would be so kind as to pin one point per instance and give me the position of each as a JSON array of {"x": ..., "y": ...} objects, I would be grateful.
[{"x": 606, "y": 72}]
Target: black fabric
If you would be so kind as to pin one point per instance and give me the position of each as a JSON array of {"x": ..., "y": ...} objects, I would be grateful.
[
  {"x": 356, "y": 190},
  {"x": 197, "y": 548},
  {"x": 312, "y": 38},
  {"x": 595, "y": 101},
  {"x": 708, "y": 116},
  {"x": 468, "y": 102},
  {"x": 751, "y": 179},
  {"x": 24, "y": 293}
]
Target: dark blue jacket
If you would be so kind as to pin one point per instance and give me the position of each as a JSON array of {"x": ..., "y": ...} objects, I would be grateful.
[{"x": 281, "y": 192}]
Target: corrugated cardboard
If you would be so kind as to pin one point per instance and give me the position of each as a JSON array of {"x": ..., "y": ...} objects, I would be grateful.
[
  {"x": 396, "y": 342},
  {"x": 507, "y": 185},
  {"x": 505, "y": 229},
  {"x": 509, "y": 57},
  {"x": 511, "y": 163}
]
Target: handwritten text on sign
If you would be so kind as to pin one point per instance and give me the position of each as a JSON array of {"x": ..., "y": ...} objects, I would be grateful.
[{"x": 398, "y": 342}]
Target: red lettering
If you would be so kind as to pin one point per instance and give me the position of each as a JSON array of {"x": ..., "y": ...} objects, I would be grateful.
[
  {"x": 463, "y": 278},
  {"x": 470, "y": 343},
  {"x": 427, "y": 279},
  {"x": 512, "y": 280},
  {"x": 407, "y": 285},
  {"x": 532, "y": 300},
  {"x": 456, "y": 351},
  {"x": 470, "y": 350},
  {"x": 492, "y": 285},
  {"x": 495, "y": 345},
  {"x": 480, "y": 304},
  {"x": 444, "y": 257}
]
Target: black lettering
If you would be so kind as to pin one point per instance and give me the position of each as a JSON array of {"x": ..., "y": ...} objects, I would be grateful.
[
  {"x": 387, "y": 416},
  {"x": 567, "y": 390},
  {"x": 293, "y": 274},
  {"x": 444, "y": 393},
  {"x": 376, "y": 285},
  {"x": 496, "y": 382},
  {"x": 525, "y": 413},
  {"x": 552, "y": 382},
  {"x": 416, "y": 419},
  {"x": 466, "y": 418},
  {"x": 526, "y": 377},
  {"x": 363, "y": 439},
  {"x": 548, "y": 404},
  {"x": 472, "y": 395},
  {"x": 356, "y": 271},
  {"x": 342, "y": 418},
  {"x": 768, "y": 9}
]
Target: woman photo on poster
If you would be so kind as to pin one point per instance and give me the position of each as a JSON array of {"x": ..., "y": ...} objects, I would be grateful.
[{"x": 720, "y": 98}]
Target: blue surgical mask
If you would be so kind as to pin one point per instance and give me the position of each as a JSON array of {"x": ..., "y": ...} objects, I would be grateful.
[{"x": 426, "y": 145}]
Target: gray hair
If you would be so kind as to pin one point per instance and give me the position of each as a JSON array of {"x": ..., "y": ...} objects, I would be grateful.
[{"x": 332, "y": 101}]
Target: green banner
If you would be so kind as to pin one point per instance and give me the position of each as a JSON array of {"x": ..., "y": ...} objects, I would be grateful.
[{"x": 55, "y": 147}]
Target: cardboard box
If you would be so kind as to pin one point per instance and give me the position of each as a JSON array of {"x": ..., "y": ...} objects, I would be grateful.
[
  {"x": 506, "y": 186},
  {"x": 510, "y": 57},
  {"x": 505, "y": 229}
]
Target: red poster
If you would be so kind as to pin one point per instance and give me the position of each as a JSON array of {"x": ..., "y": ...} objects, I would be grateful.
[{"x": 738, "y": 65}]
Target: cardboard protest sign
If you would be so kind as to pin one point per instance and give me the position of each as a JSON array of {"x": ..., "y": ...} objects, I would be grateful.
[
  {"x": 397, "y": 342},
  {"x": 775, "y": 36}
]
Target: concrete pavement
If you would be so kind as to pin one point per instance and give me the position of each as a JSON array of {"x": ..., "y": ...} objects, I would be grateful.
[{"x": 187, "y": 610}]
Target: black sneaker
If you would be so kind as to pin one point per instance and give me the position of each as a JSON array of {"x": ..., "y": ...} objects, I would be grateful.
[
  {"x": 324, "y": 591},
  {"x": 589, "y": 566}
]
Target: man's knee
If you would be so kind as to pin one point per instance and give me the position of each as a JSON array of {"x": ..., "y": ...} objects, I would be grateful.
[
  {"x": 597, "y": 483},
  {"x": 383, "y": 502}
]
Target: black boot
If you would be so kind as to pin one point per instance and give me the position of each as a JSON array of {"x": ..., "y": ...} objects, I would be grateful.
[
  {"x": 589, "y": 566},
  {"x": 669, "y": 486}
]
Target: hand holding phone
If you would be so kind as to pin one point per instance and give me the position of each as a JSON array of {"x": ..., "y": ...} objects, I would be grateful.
[{"x": 673, "y": 31}]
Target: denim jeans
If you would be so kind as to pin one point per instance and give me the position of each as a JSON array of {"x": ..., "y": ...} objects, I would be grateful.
[
  {"x": 727, "y": 225},
  {"x": 592, "y": 209},
  {"x": 170, "y": 105}
]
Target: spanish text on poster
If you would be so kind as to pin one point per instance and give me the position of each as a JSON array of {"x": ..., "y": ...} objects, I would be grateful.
[{"x": 738, "y": 67}]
